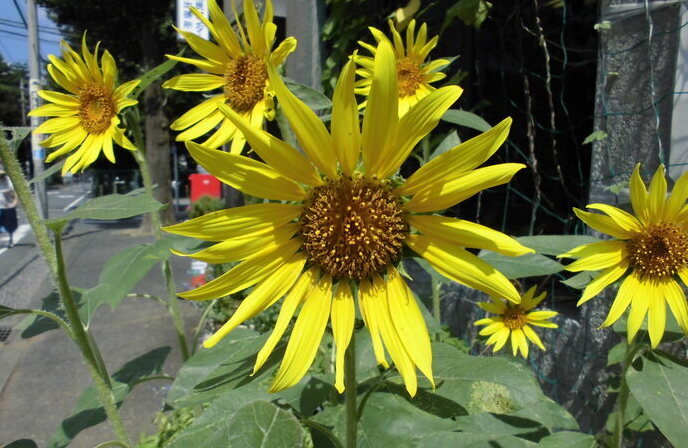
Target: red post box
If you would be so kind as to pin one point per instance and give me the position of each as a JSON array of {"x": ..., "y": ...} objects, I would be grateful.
[{"x": 204, "y": 185}]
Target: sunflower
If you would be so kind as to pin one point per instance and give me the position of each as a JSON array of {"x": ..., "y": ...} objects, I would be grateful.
[
  {"x": 343, "y": 225},
  {"x": 86, "y": 117},
  {"x": 413, "y": 73},
  {"x": 236, "y": 66},
  {"x": 650, "y": 247},
  {"x": 514, "y": 322}
]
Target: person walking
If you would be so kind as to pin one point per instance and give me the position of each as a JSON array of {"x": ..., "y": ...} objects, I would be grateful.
[{"x": 8, "y": 204}]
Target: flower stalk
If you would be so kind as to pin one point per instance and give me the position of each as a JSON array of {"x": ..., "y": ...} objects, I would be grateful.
[
  {"x": 632, "y": 350},
  {"x": 351, "y": 389}
]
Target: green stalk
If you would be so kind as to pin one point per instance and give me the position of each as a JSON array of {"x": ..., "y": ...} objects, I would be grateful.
[
  {"x": 436, "y": 287},
  {"x": 172, "y": 303},
  {"x": 53, "y": 258},
  {"x": 350, "y": 393},
  {"x": 87, "y": 346},
  {"x": 632, "y": 350}
]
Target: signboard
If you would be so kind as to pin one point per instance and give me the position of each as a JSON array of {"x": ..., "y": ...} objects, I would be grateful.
[{"x": 187, "y": 21}]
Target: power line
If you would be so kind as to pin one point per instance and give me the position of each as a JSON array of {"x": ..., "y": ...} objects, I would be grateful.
[
  {"x": 16, "y": 24},
  {"x": 12, "y": 33},
  {"x": 21, "y": 14}
]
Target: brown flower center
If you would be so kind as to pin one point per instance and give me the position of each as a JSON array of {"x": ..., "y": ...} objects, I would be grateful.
[
  {"x": 96, "y": 108},
  {"x": 659, "y": 250},
  {"x": 514, "y": 317},
  {"x": 245, "y": 79},
  {"x": 409, "y": 77},
  {"x": 353, "y": 227}
]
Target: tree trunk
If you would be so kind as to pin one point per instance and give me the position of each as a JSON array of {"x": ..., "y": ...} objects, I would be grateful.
[{"x": 157, "y": 134}]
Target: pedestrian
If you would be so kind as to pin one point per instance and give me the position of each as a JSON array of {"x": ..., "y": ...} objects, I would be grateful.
[{"x": 8, "y": 204}]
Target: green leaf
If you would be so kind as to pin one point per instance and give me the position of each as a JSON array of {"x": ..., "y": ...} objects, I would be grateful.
[
  {"x": 660, "y": 384},
  {"x": 38, "y": 324},
  {"x": 17, "y": 135},
  {"x": 568, "y": 439},
  {"x": 89, "y": 411},
  {"x": 555, "y": 244},
  {"x": 471, "y": 12},
  {"x": 450, "y": 141},
  {"x": 528, "y": 265},
  {"x": 595, "y": 136},
  {"x": 49, "y": 172},
  {"x": 110, "y": 207},
  {"x": 501, "y": 425},
  {"x": 466, "y": 119},
  {"x": 122, "y": 273},
  {"x": 153, "y": 75},
  {"x": 210, "y": 372},
  {"x": 22, "y": 443},
  {"x": 580, "y": 280},
  {"x": 313, "y": 99},
  {"x": 474, "y": 440},
  {"x": 617, "y": 353},
  {"x": 255, "y": 424}
]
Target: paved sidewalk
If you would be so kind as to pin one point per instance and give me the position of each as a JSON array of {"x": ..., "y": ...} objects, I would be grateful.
[{"x": 41, "y": 378}]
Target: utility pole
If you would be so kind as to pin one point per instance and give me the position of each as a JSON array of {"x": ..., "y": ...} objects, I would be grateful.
[{"x": 37, "y": 151}]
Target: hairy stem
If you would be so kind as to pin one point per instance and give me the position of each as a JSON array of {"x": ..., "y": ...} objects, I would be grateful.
[{"x": 632, "y": 350}]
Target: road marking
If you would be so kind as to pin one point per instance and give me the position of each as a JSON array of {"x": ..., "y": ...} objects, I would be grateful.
[
  {"x": 74, "y": 202},
  {"x": 20, "y": 233},
  {"x": 65, "y": 196}
]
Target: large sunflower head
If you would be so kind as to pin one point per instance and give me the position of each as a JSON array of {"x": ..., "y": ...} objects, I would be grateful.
[
  {"x": 649, "y": 249},
  {"x": 237, "y": 66},
  {"x": 343, "y": 220},
  {"x": 514, "y": 321},
  {"x": 414, "y": 74},
  {"x": 87, "y": 116}
]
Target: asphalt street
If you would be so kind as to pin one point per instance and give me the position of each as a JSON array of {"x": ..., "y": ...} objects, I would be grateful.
[{"x": 42, "y": 377}]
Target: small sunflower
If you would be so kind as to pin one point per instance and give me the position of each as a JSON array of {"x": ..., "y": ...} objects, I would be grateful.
[
  {"x": 236, "y": 66},
  {"x": 413, "y": 73},
  {"x": 343, "y": 225},
  {"x": 651, "y": 247},
  {"x": 86, "y": 117},
  {"x": 514, "y": 322}
]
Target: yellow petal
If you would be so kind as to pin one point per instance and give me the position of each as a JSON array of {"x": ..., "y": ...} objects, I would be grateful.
[
  {"x": 245, "y": 274},
  {"x": 499, "y": 338},
  {"x": 639, "y": 308},
  {"x": 202, "y": 127},
  {"x": 262, "y": 297},
  {"x": 343, "y": 317},
  {"x": 54, "y": 110},
  {"x": 416, "y": 124},
  {"x": 676, "y": 299},
  {"x": 57, "y": 124},
  {"x": 367, "y": 295},
  {"x": 197, "y": 113},
  {"x": 454, "y": 189},
  {"x": 380, "y": 308},
  {"x": 380, "y": 118},
  {"x": 238, "y": 221},
  {"x": 346, "y": 130},
  {"x": 59, "y": 98},
  {"x": 245, "y": 174},
  {"x": 623, "y": 219},
  {"x": 280, "y": 156},
  {"x": 241, "y": 247},
  {"x": 295, "y": 298},
  {"x": 305, "y": 337},
  {"x": 461, "y": 266},
  {"x": 194, "y": 82},
  {"x": 309, "y": 129},
  {"x": 603, "y": 223},
  {"x": 639, "y": 197},
  {"x": 284, "y": 49},
  {"x": 221, "y": 29},
  {"x": 530, "y": 334},
  {"x": 204, "y": 48},
  {"x": 408, "y": 321},
  {"x": 623, "y": 299},
  {"x": 657, "y": 197},
  {"x": 656, "y": 319},
  {"x": 596, "y": 256},
  {"x": 677, "y": 199},
  {"x": 460, "y": 159},
  {"x": 467, "y": 234},
  {"x": 253, "y": 27},
  {"x": 604, "y": 279}
]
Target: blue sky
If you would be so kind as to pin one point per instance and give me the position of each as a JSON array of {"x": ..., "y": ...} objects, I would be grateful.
[{"x": 13, "y": 41}]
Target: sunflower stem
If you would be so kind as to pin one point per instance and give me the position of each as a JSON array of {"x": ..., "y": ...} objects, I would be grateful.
[
  {"x": 53, "y": 257},
  {"x": 173, "y": 306},
  {"x": 436, "y": 310},
  {"x": 632, "y": 349},
  {"x": 88, "y": 347},
  {"x": 350, "y": 394}
]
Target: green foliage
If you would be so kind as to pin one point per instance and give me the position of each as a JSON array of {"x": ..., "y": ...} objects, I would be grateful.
[
  {"x": 154, "y": 74},
  {"x": 110, "y": 207},
  {"x": 528, "y": 265},
  {"x": 660, "y": 384},
  {"x": 466, "y": 119},
  {"x": 313, "y": 99},
  {"x": 595, "y": 137},
  {"x": 170, "y": 424},
  {"x": 204, "y": 205},
  {"x": 471, "y": 12},
  {"x": 89, "y": 412}
]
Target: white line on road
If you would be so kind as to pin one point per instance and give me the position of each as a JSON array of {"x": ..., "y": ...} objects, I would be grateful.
[
  {"x": 74, "y": 202},
  {"x": 20, "y": 233},
  {"x": 65, "y": 196}
]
